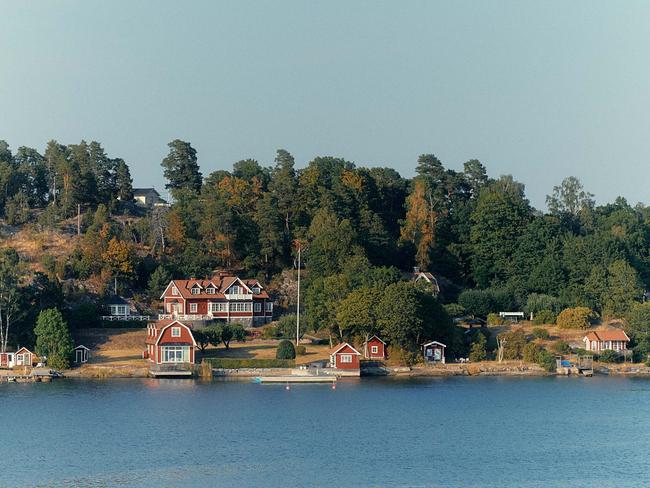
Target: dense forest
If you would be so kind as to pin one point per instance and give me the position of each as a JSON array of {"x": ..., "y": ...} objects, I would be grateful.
[{"x": 360, "y": 229}]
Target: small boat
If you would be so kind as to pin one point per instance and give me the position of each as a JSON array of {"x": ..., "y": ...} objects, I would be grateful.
[{"x": 295, "y": 379}]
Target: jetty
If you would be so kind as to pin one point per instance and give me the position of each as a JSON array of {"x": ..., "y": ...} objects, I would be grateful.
[
  {"x": 575, "y": 365},
  {"x": 296, "y": 379},
  {"x": 37, "y": 375}
]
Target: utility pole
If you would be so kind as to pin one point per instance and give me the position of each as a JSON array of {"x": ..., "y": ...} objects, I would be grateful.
[
  {"x": 298, "y": 306},
  {"x": 78, "y": 219}
]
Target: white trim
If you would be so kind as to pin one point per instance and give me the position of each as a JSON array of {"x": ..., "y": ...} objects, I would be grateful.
[
  {"x": 169, "y": 325},
  {"x": 432, "y": 343},
  {"x": 341, "y": 346},
  {"x": 375, "y": 337}
]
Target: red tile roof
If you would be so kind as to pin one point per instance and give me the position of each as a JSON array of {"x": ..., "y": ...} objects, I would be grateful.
[
  {"x": 607, "y": 335},
  {"x": 220, "y": 284}
]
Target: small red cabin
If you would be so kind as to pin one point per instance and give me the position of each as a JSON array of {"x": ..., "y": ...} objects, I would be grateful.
[
  {"x": 25, "y": 357},
  {"x": 7, "y": 359},
  {"x": 375, "y": 348},
  {"x": 344, "y": 356},
  {"x": 170, "y": 342}
]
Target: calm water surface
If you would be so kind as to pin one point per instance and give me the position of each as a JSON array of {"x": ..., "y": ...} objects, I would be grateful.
[{"x": 456, "y": 432}]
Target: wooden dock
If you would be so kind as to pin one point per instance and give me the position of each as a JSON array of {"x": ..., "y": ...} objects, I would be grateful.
[{"x": 295, "y": 379}]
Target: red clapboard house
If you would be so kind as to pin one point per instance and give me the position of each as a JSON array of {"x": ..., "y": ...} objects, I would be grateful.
[
  {"x": 224, "y": 297},
  {"x": 170, "y": 342},
  {"x": 344, "y": 356},
  {"x": 375, "y": 348},
  {"x": 25, "y": 357}
]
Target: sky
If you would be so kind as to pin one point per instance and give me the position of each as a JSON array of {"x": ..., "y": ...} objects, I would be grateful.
[{"x": 539, "y": 90}]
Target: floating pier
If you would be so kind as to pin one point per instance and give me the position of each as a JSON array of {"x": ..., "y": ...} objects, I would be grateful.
[{"x": 295, "y": 379}]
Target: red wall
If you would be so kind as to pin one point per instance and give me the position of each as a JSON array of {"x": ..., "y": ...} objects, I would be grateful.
[
  {"x": 380, "y": 354},
  {"x": 355, "y": 359}
]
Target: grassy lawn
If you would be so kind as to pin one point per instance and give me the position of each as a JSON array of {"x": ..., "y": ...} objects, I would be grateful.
[
  {"x": 264, "y": 349},
  {"x": 113, "y": 347}
]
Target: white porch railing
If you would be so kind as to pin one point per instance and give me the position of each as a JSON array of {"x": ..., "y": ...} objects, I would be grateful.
[
  {"x": 240, "y": 296},
  {"x": 170, "y": 316},
  {"x": 117, "y": 318}
]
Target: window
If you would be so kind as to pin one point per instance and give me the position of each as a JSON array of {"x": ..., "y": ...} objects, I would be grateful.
[
  {"x": 174, "y": 290},
  {"x": 196, "y": 290},
  {"x": 346, "y": 358},
  {"x": 235, "y": 290},
  {"x": 210, "y": 290},
  {"x": 175, "y": 354},
  {"x": 194, "y": 307},
  {"x": 269, "y": 306},
  {"x": 176, "y": 331},
  {"x": 256, "y": 290},
  {"x": 374, "y": 349},
  {"x": 257, "y": 307},
  {"x": 241, "y": 307},
  {"x": 218, "y": 307}
]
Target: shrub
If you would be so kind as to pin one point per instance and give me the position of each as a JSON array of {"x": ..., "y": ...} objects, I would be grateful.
[
  {"x": 544, "y": 317},
  {"x": 494, "y": 319},
  {"x": 531, "y": 352},
  {"x": 514, "y": 345},
  {"x": 286, "y": 327},
  {"x": 561, "y": 347},
  {"x": 270, "y": 332},
  {"x": 540, "y": 333},
  {"x": 455, "y": 309},
  {"x": 301, "y": 350},
  {"x": 546, "y": 360},
  {"x": 609, "y": 357},
  {"x": 285, "y": 350},
  {"x": 575, "y": 318},
  {"x": 581, "y": 352},
  {"x": 478, "y": 351},
  {"x": 249, "y": 363}
]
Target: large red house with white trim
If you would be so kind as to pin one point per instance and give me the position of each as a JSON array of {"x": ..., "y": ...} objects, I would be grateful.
[
  {"x": 344, "y": 356},
  {"x": 224, "y": 297},
  {"x": 170, "y": 342}
]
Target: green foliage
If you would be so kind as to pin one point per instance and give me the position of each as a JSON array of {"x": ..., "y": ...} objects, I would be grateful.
[
  {"x": 286, "y": 327},
  {"x": 476, "y": 302},
  {"x": 538, "y": 302},
  {"x": 540, "y": 333},
  {"x": 546, "y": 360},
  {"x": 301, "y": 350},
  {"x": 455, "y": 310},
  {"x": 285, "y": 350},
  {"x": 206, "y": 336},
  {"x": 84, "y": 315},
  {"x": 495, "y": 319},
  {"x": 575, "y": 318},
  {"x": 561, "y": 347},
  {"x": 158, "y": 281},
  {"x": 531, "y": 352},
  {"x": 478, "y": 350},
  {"x": 609, "y": 357},
  {"x": 544, "y": 317},
  {"x": 226, "y": 363},
  {"x": 181, "y": 167},
  {"x": 515, "y": 341},
  {"x": 53, "y": 339}
]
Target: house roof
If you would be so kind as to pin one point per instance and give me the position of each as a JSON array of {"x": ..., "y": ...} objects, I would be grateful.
[
  {"x": 145, "y": 191},
  {"x": 81, "y": 346},
  {"x": 375, "y": 337},
  {"x": 338, "y": 348},
  {"x": 220, "y": 283},
  {"x": 23, "y": 350},
  {"x": 432, "y": 343},
  {"x": 607, "y": 335},
  {"x": 161, "y": 325},
  {"x": 116, "y": 300}
]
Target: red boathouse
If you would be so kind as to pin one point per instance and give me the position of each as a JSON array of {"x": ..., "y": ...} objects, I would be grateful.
[
  {"x": 375, "y": 348},
  {"x": 344, "y": 356},
  {"x": 170, "y": 342}
]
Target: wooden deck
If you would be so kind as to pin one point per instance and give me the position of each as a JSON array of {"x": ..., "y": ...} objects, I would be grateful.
[{"x": 296, "y": 379}]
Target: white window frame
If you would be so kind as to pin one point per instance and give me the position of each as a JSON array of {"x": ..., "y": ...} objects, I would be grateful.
[
  {"x": 195, "y": 290},
  {"x": 194, "y": 307},
  {"x": 210, "y": 290},
  {"x": 176, "y": 331},
  {"x": 374, "y": 349},
  {"x": 174, "y": 291},
  {"x": 268, "y": 306},
  {"x": 257, "y": 290},
  {"x": 346, "y": 358},
  {"x": 216, "y": 307},
  {"x": 257, "y": 307}
]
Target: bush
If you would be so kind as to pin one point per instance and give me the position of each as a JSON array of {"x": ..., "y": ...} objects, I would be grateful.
[
  {"x": 455, "y": 310},
  {"x": 494, "y": 319},
  {"x": 249, "y": 363},
  {"x": 544, "y": 317},
  {"x": 540, "y": 333},
  {"x": 285, "y": 350},
  {"x": 301, "y": 350},
  {"x": 538, "y": 302},
  {"x": 286, "y": 327},
  {"x": 270, "y": 332},
  {"x": 531, "y": 352},
  {"x": 561, "y": 347},
  {"x": 546, "y": 360},
  {"x": 478, "y": 351},
  {"x": 609, "y": 357},
  {"x": 575, "y": 318},
  {"x": 515, "y": 343}
]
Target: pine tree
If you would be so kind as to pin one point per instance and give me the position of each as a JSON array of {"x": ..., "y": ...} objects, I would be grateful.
[{"x": 181, "y": 167}]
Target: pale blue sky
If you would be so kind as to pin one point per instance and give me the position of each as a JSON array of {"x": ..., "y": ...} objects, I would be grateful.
[{"x": 539, "y": 89}]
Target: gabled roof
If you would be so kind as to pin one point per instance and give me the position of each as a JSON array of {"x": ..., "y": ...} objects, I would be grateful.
[
  {"x": 116, "y": 300},
  {"x": 375, "y": 337},
  {"x": 432, "y": 343},
  {"x": 339, "y": 347},
  {"x": 23, "y": 350},
  {"x": 607, "y": 335},
  {"x": 145, "y": 191},
  {"x": 81, "y": 346},
  {"x": 220, "y": 283},
  {"x": 162, "y": 325}
]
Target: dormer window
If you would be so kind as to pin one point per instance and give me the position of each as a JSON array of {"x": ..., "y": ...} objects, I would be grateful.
[
  {"x": 236, "y": 290},
  {"x": 256, "y": 290},
  {"x": 196, "y": 290},
  {"x": 176, "y": 331},
  {"x": 174, "y": 290},
  {"x": 210, "y": 290}
]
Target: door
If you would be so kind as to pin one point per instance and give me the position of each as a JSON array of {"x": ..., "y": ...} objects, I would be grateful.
[{"x": 80, "y": 356}]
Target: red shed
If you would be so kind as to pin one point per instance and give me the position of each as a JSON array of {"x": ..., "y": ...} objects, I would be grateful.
[
  {"x": 344, "y": 356},
  {"x": 25, "y": 357},
  {"x": 375, "y": 348},
  {"x": 170, "y": 342}
]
